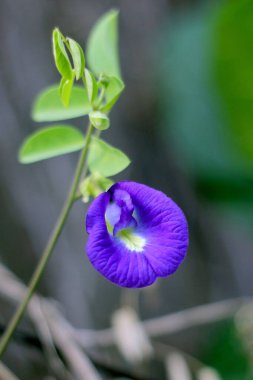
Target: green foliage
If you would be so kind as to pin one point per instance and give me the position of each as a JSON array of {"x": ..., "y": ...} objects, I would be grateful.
[
  {"x": 48, "y": 105},
  {"x": 195, "y": 122},
  {"x": 94, "y": 185},
  {"x": 102, "y": 48},
  {"x": 106, "y": 160},
  {"x": 68, "y": 101},
  {"x": 91, "y": 85},
  {"x": 113, "y": 91},
  {"x": 224, "y": 351},
  {"x": 61, "y": 58},
  {"x": 66, "y": 89},
  {"x": 99, "y": 120},
  {"x": 78, "y": 58},
  {"x": 50, "y": 142},
  {"x": 234, "y": 69}
]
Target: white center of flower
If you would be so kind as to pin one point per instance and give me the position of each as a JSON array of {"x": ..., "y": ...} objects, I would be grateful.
[{"x": 132, "y": 241}]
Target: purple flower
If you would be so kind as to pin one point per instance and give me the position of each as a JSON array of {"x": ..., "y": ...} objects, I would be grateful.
[{"x": 136, "y": 234}]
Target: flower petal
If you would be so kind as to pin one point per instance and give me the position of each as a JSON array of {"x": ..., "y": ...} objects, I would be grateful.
[
  {"x": 163, "y": 224},
  {"x": 122, "y": 199},
  {"x": 96, "y": 212},
  {"x": 114, "y": 261},
  {"x": 159, "y": 221}
]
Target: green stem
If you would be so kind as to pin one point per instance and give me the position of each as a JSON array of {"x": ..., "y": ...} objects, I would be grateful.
[
  {"x": 49, "y": 248},
  {"x": 100, "y": 98}
]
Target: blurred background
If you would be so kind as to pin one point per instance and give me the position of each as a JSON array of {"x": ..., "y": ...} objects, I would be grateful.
[{"x": 186, "y": 121}]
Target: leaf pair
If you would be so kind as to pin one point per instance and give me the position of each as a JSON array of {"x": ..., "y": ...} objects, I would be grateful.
[
  {"x": 102, "y": 53},
  {"x": 102, "y": 49},
  {"x": 63, "y": 63},
  {"x": 95, "y": 100},
  {"x": 49, "y": 142},
  {"x": 48, "y": 105},
  {"x": 61, "y": 57}
]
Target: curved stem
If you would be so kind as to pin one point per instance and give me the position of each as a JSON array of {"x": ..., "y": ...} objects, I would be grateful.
[{"x": 49, "y": 247}]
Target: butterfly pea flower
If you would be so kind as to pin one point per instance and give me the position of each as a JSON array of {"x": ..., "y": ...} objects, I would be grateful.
[{"x": 136, "y": 234}]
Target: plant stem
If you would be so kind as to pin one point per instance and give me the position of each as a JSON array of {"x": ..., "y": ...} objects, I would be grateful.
[{"x": 49, "y": 247}]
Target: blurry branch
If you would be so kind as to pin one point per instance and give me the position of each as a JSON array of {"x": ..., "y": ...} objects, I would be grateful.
[
  {"x": 244, "y": 327},
  {"x": 40, "y": 320},
  {"x": 177, "y": 367},
  {"x": 81, "y": 367},
  {"x": 78, "y": 362},
  {"x": 55, "y": 331},
  {"x": 130, "y": 337},
  {"x": 207, "y": 373},
  {"x": 195, "y": 316},
  {"x": 169, "y": 324},
  {"x": 163, "y": 350},
  {"x": 6, "y": 374},
  {"x": 183, "y": 364}
]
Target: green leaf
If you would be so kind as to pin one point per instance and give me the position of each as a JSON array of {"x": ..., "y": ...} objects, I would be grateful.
[
  {"x": 103, "y": 183},
  {"x": 91, "y": 84},
  {"x": 50, "y": 142},
  {"x": 61, "y": 58},
  {"x": 66, "y": 89},
  {"x": 226, "y": 351},
  {"x": 102, "y": 48},
  {"x": 112, "y": 93},
  {"x": 78, "y": 57},
  {"x": 48, "y": 105},
  {"x": 93, "y": 185},
  {"x": 193, "y": 120},
  {"x": 99, "y": 120},
  {"x": 106, "y": 160},
  {"x": 234, "y": 69}
]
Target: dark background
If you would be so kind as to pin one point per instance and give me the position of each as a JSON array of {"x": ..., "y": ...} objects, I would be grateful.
[{"x": 173, "y": 120}]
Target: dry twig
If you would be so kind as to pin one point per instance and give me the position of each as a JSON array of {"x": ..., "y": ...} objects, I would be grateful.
[
  {"x": 6, "y": 374},
  {"x": 55, "y": 330},
  {"x": 80, "y": 365}
]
